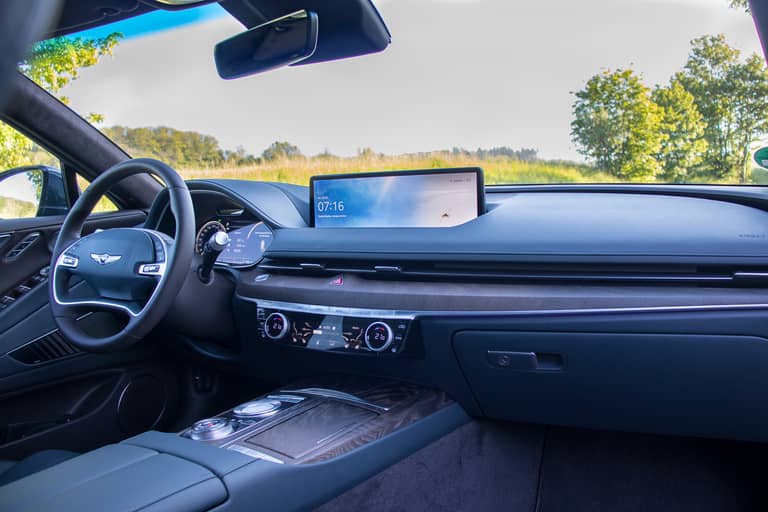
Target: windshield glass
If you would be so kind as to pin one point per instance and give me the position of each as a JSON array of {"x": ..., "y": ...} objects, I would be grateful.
[{"x": 642, "y": 91}]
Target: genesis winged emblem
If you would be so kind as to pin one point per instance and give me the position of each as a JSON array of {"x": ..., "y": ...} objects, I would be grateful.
[{"x": 104, "y": 259}]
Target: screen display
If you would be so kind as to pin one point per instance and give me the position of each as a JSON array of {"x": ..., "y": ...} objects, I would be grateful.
[
  {"x": 435, "y": 198},
  {"x": 246, "y": 245}
]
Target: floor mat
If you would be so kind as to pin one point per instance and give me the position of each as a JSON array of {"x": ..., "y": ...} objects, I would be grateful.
[
  {"x": 482, "y": 466},
  {"x": 487, "y": 466},
  {"x": 592, "y": 471}
]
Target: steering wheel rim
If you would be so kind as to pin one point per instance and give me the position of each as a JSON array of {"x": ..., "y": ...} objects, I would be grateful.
[{"x": 139, "y": 271}]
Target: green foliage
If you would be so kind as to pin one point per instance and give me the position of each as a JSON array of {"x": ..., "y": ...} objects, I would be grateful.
[
  {"x": 177, "y": 148},
  {"x": 12, "y": 208},
  {"x": 54, "y": 63},
  {"x": 682, "y": 127},
  {"x": 325, "y": 155},
  {"x": 281, "y": 150},
  {"x": 497, "y": 169},
  {"x": 739, "y": 4},
  {"x": 732, "y": 97},
  {"x": 698, "y": 128},
  {"x": 617, "y": 125},
  {"x": 15, "y": 149}
]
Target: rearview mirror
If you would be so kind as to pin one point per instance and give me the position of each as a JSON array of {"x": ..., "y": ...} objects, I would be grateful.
[{"x": 280, "y": 42}]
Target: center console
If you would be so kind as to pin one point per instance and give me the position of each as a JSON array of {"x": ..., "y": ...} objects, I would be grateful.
[
  {"x": 302, "y": 424},
  {"x": 253, "y": 455}
]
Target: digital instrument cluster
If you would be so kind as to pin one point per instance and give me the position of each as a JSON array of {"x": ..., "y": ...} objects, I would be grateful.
[
  {"x": 334, "y": 333},
  {"x": 247, "y": 243}
]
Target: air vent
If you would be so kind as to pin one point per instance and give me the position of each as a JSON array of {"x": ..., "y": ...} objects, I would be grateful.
[
  {"x": 511, "y": 272},
  {"x": 22, "y": 246},
  {"x": 235, "y": 223},
  {"x": 50, "y": 347}
]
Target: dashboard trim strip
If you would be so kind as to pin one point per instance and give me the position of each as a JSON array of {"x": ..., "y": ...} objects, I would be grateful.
[
  {"x": 333, "y": 310},
  {"x": 411, "y": 315}
]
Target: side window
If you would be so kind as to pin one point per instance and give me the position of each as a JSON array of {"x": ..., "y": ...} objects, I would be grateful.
[
  {"x": 30, "y": 181},
  {"x": 104, "y": 205}
]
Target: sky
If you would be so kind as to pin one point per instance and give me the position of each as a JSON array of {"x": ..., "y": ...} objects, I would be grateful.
[{"x": 465, "y": 73}]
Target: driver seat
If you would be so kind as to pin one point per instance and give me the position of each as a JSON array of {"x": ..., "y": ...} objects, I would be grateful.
[{"x": 11, "y": 470}]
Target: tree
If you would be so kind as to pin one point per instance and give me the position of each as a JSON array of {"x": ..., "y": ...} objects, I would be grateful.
[
  {"x": 326, "y": 155},
  {"x": 15, "y": 149},
  {"x": 366, "y": 153},
  {"x": 617, "y": 125},
  {"x": 682, "y": 127},
  {"x": 732, "y": 97},
  {"x": 739, "y": 4},
  {"x": 279, "y": 150},
  {"x": 750, "y": 104},
  {"x": 183, "y": 149},
  {"x": 54, "y": 63},
  {"x": 239, "y": 157}
]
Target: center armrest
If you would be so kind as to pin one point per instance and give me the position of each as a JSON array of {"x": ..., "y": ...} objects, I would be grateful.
[
  {"x": 217, "y": 461},
  {"x": 120, "y": 477}
]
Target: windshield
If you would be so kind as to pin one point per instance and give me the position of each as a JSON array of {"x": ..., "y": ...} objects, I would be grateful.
[{"x": 640, "y": 91}]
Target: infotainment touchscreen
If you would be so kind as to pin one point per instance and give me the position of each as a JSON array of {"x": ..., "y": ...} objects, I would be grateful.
[{"x": 429, "y": 198}]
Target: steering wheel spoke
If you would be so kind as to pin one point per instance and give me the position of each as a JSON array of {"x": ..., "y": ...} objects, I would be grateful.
[
  {"x": 78, "y": 307},
  {"x": 133, "y": 271}
]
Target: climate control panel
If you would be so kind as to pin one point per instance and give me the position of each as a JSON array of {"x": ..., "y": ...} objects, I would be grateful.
[{"x": 329, "y": 329}]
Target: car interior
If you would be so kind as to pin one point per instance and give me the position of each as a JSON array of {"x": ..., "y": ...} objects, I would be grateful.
[{"x": 230, "y": 345}]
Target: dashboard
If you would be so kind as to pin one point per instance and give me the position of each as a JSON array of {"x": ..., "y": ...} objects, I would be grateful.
[
  {"x": 249, "y": 236},
  {"x": 247, "y": 243},
  {"x": 638, "y": 308}
]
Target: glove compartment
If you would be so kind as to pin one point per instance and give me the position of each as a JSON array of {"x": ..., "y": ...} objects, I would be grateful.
[{"x": 687, "y": 384}]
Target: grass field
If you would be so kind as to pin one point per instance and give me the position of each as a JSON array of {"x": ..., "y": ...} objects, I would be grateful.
[
  {"x": 12, "y": 208},
  {"x": 497, "y": 170}
]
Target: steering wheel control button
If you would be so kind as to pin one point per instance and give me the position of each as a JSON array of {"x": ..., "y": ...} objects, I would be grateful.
[
  {"x": 379, "y": 336},
  {"x": 151, "y": 269},
  {"x": 256, "y": 408},
  {"x": 276, "y": 326},
  {"x": 68, "y": 261},
  {"x": 211, "y": 429}
]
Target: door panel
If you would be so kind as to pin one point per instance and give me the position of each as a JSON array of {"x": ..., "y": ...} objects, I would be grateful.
[
  {"x": 51, "y": 394},
  {"x": 24, "y": 312},
  {"x": 88, "y": 410}
]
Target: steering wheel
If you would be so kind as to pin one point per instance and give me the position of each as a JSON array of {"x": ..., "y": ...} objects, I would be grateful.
[{"x": 136, "y": 272}]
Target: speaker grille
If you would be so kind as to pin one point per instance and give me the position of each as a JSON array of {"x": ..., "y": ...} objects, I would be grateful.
[{"x": 50, "y": 347}]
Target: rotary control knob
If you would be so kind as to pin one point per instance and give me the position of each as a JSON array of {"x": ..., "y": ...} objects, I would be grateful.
[
  {"x": 378, "y": 336},
  {"x": 211, "y": 429},
  {"x": 263, "y": 407},
  {"x": 276, "y": 326}
]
